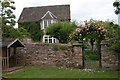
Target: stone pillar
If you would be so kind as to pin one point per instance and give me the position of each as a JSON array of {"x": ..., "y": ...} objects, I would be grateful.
[
  {"x": 78, "y": 58},
  {"x": 109, "y": 58}
]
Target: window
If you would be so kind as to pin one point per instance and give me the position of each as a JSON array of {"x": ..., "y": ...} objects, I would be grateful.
[
  {"x": 46, "y": 23},
  {"x": 45, "y": 39},
  {"x": 49, "y": 22},
  {"x": 49, "y": 39}
]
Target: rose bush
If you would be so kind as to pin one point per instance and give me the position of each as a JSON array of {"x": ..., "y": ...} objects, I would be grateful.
[{"x": 92, "y": 31}]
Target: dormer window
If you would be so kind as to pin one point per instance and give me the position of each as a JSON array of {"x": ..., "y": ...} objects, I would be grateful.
[{"x": 47, "y": 19}]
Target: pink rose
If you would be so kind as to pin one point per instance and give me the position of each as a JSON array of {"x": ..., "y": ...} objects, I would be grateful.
[{"x": 84, "y": 39}]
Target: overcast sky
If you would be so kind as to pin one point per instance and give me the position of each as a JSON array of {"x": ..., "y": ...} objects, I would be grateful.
[{"x": 80, "y": 9}]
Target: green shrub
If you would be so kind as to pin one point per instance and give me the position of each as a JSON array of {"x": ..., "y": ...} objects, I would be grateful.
[
  {"x": 93, "y": 56},
  {"x": 55, "y": 48},
  {"x": 61, "y": 30},
  {"x": 113, "y": 37},
  {"x": 63, "y": 47}
]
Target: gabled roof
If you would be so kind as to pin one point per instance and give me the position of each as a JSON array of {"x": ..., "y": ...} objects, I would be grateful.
[
  {"x": 49, "y": 15},
  {"x": 11, "y": 43},
  {"x": 32, "y": 14}
]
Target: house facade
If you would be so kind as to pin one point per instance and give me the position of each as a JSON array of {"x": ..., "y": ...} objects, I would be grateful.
[{"x": 46, "y": 15}]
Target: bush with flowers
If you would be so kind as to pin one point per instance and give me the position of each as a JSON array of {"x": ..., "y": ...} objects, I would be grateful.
[{"x": 92, "y": 31}]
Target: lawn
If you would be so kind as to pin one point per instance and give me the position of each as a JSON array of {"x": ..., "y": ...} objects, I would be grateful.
[{"x": 52, "y": 72}]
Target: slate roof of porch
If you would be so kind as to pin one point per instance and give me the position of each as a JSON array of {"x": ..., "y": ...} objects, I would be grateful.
[{"x": 11, "y": 43}]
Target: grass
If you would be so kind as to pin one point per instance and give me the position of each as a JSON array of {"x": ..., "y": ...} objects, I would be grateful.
[{"x": 52, "y": 72}]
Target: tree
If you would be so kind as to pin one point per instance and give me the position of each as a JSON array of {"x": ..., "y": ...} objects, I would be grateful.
[
  {"x": 113, "y": 37},
  {"x": 10, "y": 32},
  {"x": 23, "y": 33},
  {"x": 7, "y": 16},
  {"x": 33, "y": 28},
  {"x": 61, "y": 30},
  {"x": 6, "y": 12},
  {"x": 117, "y": 5},
  {"x": 0, "y": 27}
]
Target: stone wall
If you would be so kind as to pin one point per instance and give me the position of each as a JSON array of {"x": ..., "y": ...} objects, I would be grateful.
[
  {"x": 50, "y": 55},
  {"x": 110, "y": 59}
]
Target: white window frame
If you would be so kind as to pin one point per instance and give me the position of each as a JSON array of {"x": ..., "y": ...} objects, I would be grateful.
[
  {"x": 42, "y": 23},
  {"x": 48, "y": 38}
]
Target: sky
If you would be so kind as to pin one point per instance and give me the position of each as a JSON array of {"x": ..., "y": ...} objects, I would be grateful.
[{"x": 81, "y": 10}]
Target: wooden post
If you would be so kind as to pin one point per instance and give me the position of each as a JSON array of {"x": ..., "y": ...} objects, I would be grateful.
[
  {"x": 8, "y": 52},
  {"x": 6, "y": 58},
  {"x": 15, "y": 55}
]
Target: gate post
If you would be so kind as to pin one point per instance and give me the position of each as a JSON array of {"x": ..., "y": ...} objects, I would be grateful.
[{"x": 78, "y": 49}]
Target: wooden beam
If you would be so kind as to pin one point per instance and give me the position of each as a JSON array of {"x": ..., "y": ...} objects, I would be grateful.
[
  {"x": 8, "y": 52},
  {"x": 15, "y": 55}
]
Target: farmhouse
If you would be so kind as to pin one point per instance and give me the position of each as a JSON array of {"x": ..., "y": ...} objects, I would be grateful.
[
  {"x": 46, "y": 15},
  {"x": 9, "y": 47}
]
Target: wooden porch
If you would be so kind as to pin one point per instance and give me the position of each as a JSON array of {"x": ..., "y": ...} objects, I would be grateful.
[{"x": 9, "y": 47}]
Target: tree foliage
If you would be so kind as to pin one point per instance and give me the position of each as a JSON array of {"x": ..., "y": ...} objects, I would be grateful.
[
  {"x": 61, "y": 30},
  {"x": 117, "y": 5},
  {"x": 6, "y": 12},
  {"x": 7, "y": 18},
  {"x": 34, "y": 29},
  {"x": 113, "y": 37},
  {"x": 10, "y": 32}
]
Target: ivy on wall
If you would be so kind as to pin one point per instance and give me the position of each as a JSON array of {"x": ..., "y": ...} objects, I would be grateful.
[{"x": 34, "y": 29}]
